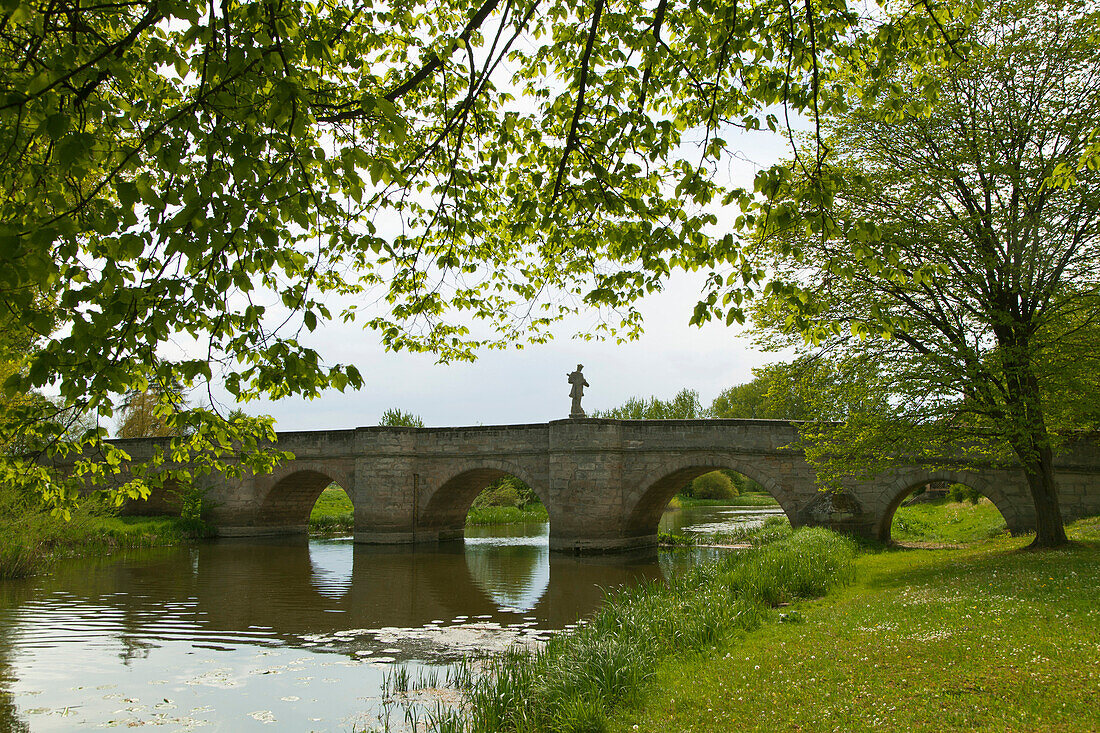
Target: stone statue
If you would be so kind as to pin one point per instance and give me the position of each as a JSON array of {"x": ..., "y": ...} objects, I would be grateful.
[{"x": 577, "y": 391}]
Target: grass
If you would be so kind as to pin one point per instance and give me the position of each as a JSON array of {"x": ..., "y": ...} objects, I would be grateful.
[
  {"x": 33, "y": 539},
  {"x": 333, "y": 513},
  {"x": 530, "y": 514},
  {"x": 947, "y": 522},
  {"x": 988, "y": 637},
  {"x": 579, "y": 679}
]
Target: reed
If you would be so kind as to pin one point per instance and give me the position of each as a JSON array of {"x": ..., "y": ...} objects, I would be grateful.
[{"x": 530, "y": 514}]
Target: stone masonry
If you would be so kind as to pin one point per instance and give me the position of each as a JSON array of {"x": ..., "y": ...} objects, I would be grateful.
[{"x": 605, "y": 483}]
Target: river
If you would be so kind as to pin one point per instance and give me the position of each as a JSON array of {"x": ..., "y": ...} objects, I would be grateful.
[{"x": 290, "y": 635}]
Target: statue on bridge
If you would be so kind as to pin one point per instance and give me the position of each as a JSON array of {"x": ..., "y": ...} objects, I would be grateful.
[{"x": 577, "y": 391}]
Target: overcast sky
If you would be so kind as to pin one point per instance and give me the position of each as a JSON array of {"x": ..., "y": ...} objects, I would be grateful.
[{"x": 529, "y": 385}]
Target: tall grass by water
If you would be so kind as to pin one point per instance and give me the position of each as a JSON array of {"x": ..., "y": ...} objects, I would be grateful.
[
  {"x": 577, "y": 679},
  {"x": 31, "y": 538},
  {"x": 529, "y": 514}
]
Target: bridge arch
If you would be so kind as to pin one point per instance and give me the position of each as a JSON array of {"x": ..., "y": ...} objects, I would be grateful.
[
  {"x": 903, "y": 485},
  {"x": 294, "y": 488},
  {"x": 650, "y": 501},
  {"x": 445, "y": 508}
]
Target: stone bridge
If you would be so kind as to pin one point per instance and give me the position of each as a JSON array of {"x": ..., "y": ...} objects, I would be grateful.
[{"x": 605, "y": 483}]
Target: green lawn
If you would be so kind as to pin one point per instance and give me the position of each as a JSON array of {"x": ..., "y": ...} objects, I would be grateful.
[
  {"x": 988, "y": 637},
  {"x": 947, "y": 522}
]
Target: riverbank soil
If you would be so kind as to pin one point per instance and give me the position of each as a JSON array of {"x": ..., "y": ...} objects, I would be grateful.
[{"x": 988, "y": 637}]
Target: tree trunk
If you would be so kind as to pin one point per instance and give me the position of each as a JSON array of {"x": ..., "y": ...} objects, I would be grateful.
[
  {"x": 1038, "y": 465},
  {"x": 1028, "y": 436}
]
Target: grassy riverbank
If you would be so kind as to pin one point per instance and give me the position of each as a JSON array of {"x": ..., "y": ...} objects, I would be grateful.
[
  {"x": 749, "y": 498},
  {"x": 333, "y": 513},
  {"x": 577, "y": 680},
  {"x": 986, "y": 637},
  {"x": 33, "y": 540}
]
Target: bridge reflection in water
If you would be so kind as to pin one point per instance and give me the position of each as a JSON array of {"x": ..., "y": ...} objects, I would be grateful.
[
  {"x": 249, "y": 591},
  {"x": 237, "y": 633}
]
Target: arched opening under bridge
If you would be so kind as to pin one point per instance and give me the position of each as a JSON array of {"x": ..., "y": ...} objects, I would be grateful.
[
  {"x": 308, "y": 499},
  {"x": 713, "y": 498},
  {"x": 333, "y": 512},
  {"x": 949, "y": 510},
  {"x": 485, "y": 496}
]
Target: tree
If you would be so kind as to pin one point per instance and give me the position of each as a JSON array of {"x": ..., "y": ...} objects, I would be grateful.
[
  {"x": 212, "y": 174},
  {"x": 143, "y": 416},
  {"x": 396, "y": 417},
  {"x": 684, "y": 406},
  {"x": 940, "y": 243},
  {"x": 809, "y": 388}
]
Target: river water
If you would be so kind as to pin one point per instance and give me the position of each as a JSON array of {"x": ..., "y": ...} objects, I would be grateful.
[{"x": 290, "y": 635}]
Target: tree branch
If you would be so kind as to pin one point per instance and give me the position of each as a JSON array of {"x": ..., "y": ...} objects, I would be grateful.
[{"x": 582, "y": 85}]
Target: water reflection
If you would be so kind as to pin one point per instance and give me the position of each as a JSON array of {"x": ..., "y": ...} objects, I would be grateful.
[
  {"x": 236, "y": 634},
  {"x": 332, "y": 568},
  {"x": 511, "y": 565},
  {"x": 270, "y": 593}
]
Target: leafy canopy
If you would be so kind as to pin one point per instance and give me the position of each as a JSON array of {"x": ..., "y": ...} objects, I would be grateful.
[{"x": 197, "y": 187}]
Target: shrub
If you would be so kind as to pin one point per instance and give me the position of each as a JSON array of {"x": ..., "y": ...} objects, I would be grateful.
[
  {"x": 498, "y": 494},
  {"x": 713, "y": 485},
  {"x": 962, "y": 492},
  {"x": 506, "y": 491}
]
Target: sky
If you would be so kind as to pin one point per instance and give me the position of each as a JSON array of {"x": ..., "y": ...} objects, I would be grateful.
[{"x": 528, "y": 385}]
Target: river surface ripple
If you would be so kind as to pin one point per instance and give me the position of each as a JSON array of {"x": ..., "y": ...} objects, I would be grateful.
[{"x": 289, "y": 635}]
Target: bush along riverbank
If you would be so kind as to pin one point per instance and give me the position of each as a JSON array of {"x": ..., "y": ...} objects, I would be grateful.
[
  {"x": 33, "y": 538},
  {"x": 577, "y": 680}
]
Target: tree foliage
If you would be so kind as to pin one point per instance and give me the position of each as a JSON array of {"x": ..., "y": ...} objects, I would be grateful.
[
  {"x": 143, "y": 416},
  {"x": 400, "y": 418},
  {"x": 808, "y": 388},
  {"x": 197, "y": 187},
  {"x": 684, "y": 405},
  {"x": 936, "y": 243}
]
